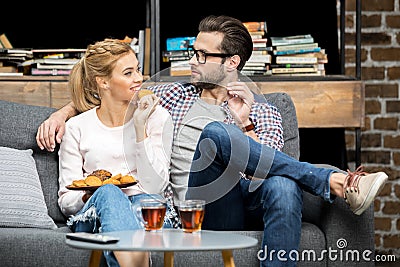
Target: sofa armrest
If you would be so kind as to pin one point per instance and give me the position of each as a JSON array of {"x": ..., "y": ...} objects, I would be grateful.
[{"x": 349, "y": 234}]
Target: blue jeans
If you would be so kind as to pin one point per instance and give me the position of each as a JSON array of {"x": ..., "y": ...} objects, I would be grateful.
[
  {"x": 109, "y": 209},
  {"x": 274, "y": 202}
]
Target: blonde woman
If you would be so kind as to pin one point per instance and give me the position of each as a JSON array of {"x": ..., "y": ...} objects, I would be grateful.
[{"x": 117, "y": 132}]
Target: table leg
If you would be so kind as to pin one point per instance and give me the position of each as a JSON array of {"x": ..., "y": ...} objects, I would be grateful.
[
  {"x": 95, "y": 258},
  {"x": 168, "y": 258},
  {"x": 228, "y": 258}
]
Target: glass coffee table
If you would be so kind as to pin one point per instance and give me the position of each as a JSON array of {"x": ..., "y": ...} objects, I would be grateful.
[{"x": 170, "y": 241}]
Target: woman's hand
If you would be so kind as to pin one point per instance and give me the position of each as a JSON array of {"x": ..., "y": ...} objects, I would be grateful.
[
  {"x": 146, "y": 106},
  {"x": 86, "y": 196}
]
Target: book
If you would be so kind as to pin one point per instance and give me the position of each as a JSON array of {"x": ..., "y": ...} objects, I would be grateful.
[
  {"x": 293, "y": 39},
  {"x": 317, "y": 73},
  {"x": 175, "y": 58},
  {"x": 16, "y": 51},
  {"x": 295, "y": 46},
  {"x": 147, "y": 44},
  {"x": 140, "y": 55},
  {"x": 293, "y": 70},
  {"x": 5, "y": 74},
  {"x": 297, "y": 51},
  {"x": 294, "y": 65},
  {"x": 59, "y": 50},
  {"x": 250, "y": 63},
  {"x": 255, "y": 72},
  {"x": 5, "y": 43},
  {"x": 260, "y": 40},
  {"x": 295, "y": 60},
  {"x": 264, "y": 68},
  {"x": 59, "y": 53},
  {"x": 173, "y": 53},
  {"x": 180, "y": 43},
  {"x": 259, "y": 45},
  {"x": 260, "y": 52},
  {"x": 54, "y": 66},
  {"x": 54, "y": 61},
  {"x": 262, "y": 48},
  {"x": 255, "y": 26},
  {"x": 50, "y": 72},
  {"x": 256, "y": 35},
  {"x": 260, "y": 58},
  {"x": 180, "y": 68}
]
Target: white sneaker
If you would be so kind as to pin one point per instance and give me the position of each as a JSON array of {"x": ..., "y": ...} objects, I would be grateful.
[{"x": 361, "y": 188}]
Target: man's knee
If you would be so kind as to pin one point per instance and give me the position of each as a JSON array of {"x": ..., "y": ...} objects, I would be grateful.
[
  {"x": 282, "y": 193},
  {"x": 214, "y": 128}
]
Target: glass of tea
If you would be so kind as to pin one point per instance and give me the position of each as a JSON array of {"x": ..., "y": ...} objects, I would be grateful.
[
  {"x": 152, "y": 212},
  {"x": 191, "y": 213}
]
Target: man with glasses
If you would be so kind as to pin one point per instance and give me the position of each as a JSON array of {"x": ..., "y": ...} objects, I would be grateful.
[
  {"x": 227, "y": 146},
  {"x": 201, "y": 56}
]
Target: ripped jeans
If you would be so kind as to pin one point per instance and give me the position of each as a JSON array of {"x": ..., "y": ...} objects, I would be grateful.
[{"x": 109, "y": 209}]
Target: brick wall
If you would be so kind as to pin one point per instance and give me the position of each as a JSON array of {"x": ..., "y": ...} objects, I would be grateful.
[{"x": 380, "y": 139}]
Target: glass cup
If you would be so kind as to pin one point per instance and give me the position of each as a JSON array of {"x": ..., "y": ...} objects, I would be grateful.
[
  {"x": 151, "y": 213},
  {"x": 191, "y": 213}
]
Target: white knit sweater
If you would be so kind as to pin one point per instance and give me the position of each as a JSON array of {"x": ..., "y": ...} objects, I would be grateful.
[{"x": 89, "y": 145}]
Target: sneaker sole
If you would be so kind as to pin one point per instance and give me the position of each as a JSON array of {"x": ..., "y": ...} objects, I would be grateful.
[{"x": 374, "y": 191}]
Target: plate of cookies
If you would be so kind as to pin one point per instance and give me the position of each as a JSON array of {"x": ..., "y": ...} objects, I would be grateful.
[{"x": 101, "y": 177}]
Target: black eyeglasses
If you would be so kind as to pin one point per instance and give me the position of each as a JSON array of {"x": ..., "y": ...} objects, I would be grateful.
[{"x": 201, "y": 56}]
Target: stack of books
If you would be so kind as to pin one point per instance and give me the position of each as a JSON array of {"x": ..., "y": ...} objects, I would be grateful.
[
  {"x": 258, "y": 63},
  {"x": 297, "y": 55},
  {"x": 11, "y": 58},
  {"x": 178, "y": 55},
  {"x": 53, "y": 62}
]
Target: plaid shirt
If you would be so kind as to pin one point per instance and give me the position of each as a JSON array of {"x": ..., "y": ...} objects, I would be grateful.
[{"x": 179, "y": 97}]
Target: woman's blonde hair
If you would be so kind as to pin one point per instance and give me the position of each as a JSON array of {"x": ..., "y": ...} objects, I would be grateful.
[{"x": 99, "y": 61}]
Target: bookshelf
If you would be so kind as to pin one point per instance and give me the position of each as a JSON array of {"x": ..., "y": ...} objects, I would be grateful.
[{"x": 188, "y": 26}]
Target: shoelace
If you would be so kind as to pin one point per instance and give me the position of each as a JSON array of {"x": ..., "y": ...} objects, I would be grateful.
[{"x": 352, "y": 179}]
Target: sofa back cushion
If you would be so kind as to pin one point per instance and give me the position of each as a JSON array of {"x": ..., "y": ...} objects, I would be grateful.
[
  {"x": 283, "y": 102},
  {"x": 18, "y": 127}
]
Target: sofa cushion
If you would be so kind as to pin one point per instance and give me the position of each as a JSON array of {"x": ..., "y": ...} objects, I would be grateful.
[
  {"x": 22, "y": 202},
  {"x": 35, "y": 247}
]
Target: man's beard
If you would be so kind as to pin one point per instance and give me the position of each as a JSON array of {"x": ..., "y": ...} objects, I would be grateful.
[
  {"x": 211, "y": 80},
  {"x": 205, "y": 85}
]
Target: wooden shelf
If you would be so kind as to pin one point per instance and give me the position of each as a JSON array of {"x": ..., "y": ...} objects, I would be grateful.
[
  {"x": 267, "y": 78},
  {"x": 321, "y": 102},
  {"x": 34, "y": 78}
]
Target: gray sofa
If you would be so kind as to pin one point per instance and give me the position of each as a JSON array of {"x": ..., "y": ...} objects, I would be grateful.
[{"x": 325, "y": 226}]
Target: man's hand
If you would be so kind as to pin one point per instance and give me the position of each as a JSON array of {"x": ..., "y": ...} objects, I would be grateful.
[
  {"x": 53, "y": 129},
  {"x": 240, "y": 101},
  {"x": 50, "y": 132}
]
